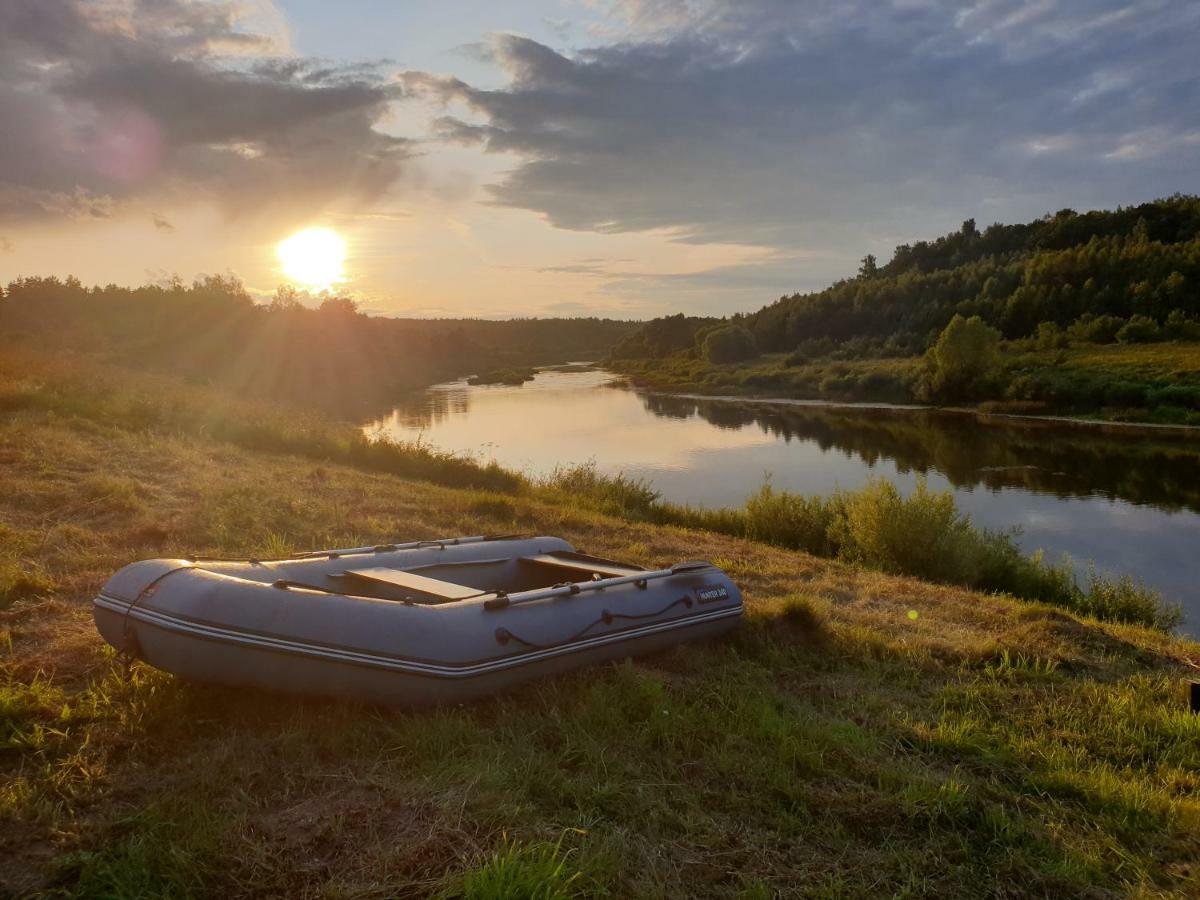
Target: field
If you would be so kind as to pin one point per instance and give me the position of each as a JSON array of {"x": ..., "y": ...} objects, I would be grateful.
[{"x": 863, "y": 734}]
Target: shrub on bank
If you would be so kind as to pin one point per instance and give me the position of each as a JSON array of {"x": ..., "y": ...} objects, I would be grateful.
[
  {"x": 923, "y": 535},
  {"x": 617, "y": 494},
  {"x": 730, "y": 344},
  {"x": 1139, "y": 330},
  {"x": 794, "y": 520}
]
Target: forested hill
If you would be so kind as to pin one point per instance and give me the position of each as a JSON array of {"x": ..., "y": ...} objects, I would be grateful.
[
  {"x": 334, "y": 356},
  {"x": 1105, "y": 266}
]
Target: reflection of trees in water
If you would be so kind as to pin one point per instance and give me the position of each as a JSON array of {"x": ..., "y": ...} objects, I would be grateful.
[
  {"x": 1157, "y": 470},
  {"x": 431, "y": 407}
]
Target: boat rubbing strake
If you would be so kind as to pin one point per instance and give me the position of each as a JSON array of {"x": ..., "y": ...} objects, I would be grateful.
[{"x": 416, "y": 623}]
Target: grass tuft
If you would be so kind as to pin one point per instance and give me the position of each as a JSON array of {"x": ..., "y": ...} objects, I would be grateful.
[{"x": 521, "y": 871}]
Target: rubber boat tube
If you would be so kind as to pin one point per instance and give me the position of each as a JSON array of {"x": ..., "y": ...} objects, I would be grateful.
[{"x": 418, "y": 623}]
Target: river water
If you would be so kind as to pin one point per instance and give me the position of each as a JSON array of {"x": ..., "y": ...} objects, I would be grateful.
[{"x": 1129, "y": 501}]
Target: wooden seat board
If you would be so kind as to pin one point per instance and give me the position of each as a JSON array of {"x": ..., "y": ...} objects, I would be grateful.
[
  {"x": 413, "y": 582},
  {"x": 582, "y": 565}
]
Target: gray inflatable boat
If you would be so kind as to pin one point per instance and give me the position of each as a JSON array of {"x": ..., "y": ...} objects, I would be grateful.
[{"x": 424, "y": 622}]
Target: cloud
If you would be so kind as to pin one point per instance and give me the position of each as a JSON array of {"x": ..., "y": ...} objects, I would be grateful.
[
  {"x": 120, "y": 99},
  {"x": 161, "y": 222},
  {"x": 837, "y": 125}
]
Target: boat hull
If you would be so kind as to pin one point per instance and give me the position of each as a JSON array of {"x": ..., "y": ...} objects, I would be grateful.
[{"x": 222, "y": 627}]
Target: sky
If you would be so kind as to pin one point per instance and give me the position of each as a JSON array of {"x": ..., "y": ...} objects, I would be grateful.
[{"x": 624, "y": 158}]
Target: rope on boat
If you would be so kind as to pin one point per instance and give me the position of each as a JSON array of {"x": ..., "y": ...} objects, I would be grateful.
[
  {"x": 129, "y": 641},
  {"x": 503, "y": 635}
]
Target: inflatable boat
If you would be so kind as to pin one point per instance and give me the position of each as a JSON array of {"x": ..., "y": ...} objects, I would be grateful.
[{"x": 418, "y": 623}]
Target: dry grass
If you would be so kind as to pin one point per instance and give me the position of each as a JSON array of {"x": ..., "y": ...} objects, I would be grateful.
[
  {"x": 1173, "y": 360},
  {"x": 839, "y": 745}
]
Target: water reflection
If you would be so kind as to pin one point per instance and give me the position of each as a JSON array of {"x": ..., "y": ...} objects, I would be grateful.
[
  {"x": 1144, "y": 467},
  {"x": 1128, "y": 500}
]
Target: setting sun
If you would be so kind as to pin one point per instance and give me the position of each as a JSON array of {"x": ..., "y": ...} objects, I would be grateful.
[{"x": 314, "y": 257}]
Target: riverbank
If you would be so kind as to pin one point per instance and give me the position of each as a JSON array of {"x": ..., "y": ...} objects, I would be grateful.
[
  {"x": 862, "y": 734},
  {"x": 1150, "y": 384},
  {"x": 983, "y": 414}
]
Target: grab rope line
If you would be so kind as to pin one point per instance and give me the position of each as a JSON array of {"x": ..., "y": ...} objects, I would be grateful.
[
  {"x": 129, "y": 641},
  {"x": 503, "y": 635}
]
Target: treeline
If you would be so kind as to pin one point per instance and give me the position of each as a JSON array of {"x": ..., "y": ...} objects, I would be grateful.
[
  {"x": 212, "y": 332},
  {"x": 1067, "y": 269}
]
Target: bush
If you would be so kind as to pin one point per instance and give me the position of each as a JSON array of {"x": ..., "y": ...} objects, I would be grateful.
[
  {"x": 1181, "y": 327},
  {"x": 1139, "y": 330},
  {"x": 922, "y": 535},
  {"x": 1090, "y": 329},
  {"x": 1125, "y": 394},
  {"x": 803, "y": 523},
  {"x": 618, "y": 493},
  {"x": 1050, "y": 336},
  {"x": 730, "y": 344},
  {"x": 845, "y": 385},
  {"x": 1183, "y": 395},
  {"x": 884, "y": 386},
  {"x": 1125, "y": 600},
  {"x": 965, "y": 352}
]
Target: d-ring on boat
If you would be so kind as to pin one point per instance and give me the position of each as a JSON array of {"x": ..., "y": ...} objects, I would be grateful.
[{"x": 423, "y": 622}]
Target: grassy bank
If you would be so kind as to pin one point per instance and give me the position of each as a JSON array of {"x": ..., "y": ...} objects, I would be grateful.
[
  {"x": 863, "y": 734},
  {"x": 1156, "y": 383}
]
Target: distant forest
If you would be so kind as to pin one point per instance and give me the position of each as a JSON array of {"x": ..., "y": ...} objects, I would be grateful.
[
  {"x": 211, "y": 331},
  {"x": 1092, "y": 273}
]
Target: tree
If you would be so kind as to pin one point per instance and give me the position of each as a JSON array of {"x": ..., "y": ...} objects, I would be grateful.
[
  {"x": 732, "y": 343},
  {"x": 286, "y": 299},
  {"x": 338, "y": 306},
  {"x": 869, "y": 267},
  {"x": 965, "y": 351}
]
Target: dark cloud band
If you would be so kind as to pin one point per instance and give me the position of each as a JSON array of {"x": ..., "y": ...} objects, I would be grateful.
[{"x": 103, "y": 102}]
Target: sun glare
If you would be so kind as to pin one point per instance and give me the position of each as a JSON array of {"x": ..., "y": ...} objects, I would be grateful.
[{"x": 314, "y": 258}]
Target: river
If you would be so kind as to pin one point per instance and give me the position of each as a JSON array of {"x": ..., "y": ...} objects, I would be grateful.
[{"x": 1129, "y": 500}]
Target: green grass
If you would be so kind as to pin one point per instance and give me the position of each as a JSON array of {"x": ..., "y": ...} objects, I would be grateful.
[
  {"x": 1155, "y": 383},
  {"x": 517, "y": 871},
  {"x": 862, "y": 734},
  {"x": 889, "y": 380}
]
